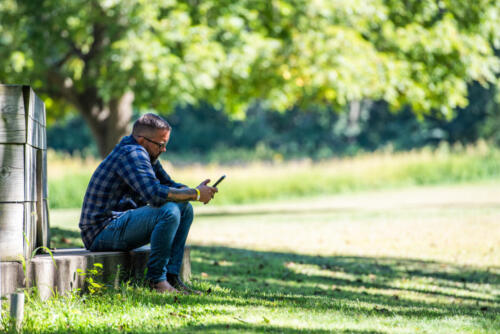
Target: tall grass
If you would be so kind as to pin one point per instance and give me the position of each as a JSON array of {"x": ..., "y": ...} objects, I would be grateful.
[{"x": 258, "y": 182}]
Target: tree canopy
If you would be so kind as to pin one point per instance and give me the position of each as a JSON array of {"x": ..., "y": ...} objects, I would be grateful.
[{"x": 104, "y": 57}]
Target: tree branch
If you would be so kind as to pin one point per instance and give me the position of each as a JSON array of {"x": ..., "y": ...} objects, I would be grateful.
[
  {"x": 97, "y": 43},
  {"x": 55, "y": 79}
]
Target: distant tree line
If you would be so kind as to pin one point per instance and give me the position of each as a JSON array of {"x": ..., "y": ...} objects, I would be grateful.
[{"x": 204, "y": 131}]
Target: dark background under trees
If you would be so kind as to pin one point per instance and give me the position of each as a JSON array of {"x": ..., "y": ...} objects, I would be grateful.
[{"x": 207, "y": 134}]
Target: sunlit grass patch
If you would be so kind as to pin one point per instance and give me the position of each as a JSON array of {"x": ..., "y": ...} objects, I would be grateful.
[
  {"x": 261, "y": 182},
  {"x": 457, "y": 224}
]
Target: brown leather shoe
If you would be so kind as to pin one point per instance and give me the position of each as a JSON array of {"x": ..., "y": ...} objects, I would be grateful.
[{"x": 163, "y": 287}]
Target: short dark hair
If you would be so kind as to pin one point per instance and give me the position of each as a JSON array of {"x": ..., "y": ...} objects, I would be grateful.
[{"x": 148, "y": 123}]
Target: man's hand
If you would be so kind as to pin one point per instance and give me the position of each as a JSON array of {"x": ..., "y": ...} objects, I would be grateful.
[
  {"x": 206, "y": 192},
  {"x": 189, "y": 194}
]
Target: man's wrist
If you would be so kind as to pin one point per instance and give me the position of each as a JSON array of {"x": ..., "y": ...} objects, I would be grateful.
[{"x": 197, "y": 194}]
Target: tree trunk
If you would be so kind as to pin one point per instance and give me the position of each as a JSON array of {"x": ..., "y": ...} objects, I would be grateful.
[{"x": 108, "y": 122}]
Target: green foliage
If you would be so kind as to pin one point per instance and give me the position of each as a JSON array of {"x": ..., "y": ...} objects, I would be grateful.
[
  {"x": 92, "y": 278},
  {"x": 286, "y": 52},
  {"x": 205, "y": 134}
]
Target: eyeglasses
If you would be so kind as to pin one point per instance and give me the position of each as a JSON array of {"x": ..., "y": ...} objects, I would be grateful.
[{"x": 161, "y": 146}]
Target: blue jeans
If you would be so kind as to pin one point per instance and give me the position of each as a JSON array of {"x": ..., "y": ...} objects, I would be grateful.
[{"x": 165, "y": 227}]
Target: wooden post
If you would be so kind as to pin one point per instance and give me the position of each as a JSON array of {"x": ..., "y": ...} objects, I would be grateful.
[
  {"x": 23, "y": 183},
  {"x": 17, "y": 308},
  {"x": 0, "y": 288}
]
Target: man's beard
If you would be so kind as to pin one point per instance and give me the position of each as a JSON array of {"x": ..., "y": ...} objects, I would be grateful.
[{"x": 154, "y": 158}]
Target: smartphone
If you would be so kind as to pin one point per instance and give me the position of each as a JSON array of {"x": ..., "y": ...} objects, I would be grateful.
[{"x": 219, "y": 180}]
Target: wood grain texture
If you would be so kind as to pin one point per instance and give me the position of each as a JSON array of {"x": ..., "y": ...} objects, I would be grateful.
[
  {"x": 12, "y": 173},
  {"x": 42, "y": 137},
  {"x": 45, "y": 185},
  {"x": 11, "y": 100},
  {"x": 35, "y": 118},
  {"x": 12, "y": 115},
  {"x": 11, "y": 231},
  {"x": 40, "y": 116},
  {"x": 12, "y": 129},
  {"x": 33, "y": 105},
  {"x": 30, "y": 228},
  {"x": 43, "y": 230},
  {"x": 22, "y": 116},
  {"x": 36, "y": 134},
  {"x": 29, "y": 102},
  {"x": 32, "y": 130},
  {"x": 30, "y": 176},
  {"x": 41, "y": 204},
  {"x": 39, "y": 175}
]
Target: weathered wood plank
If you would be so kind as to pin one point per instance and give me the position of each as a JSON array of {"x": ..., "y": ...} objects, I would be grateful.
[
  {"x": 30, "y": 228},
  {"x": 39, "y": 175},
  {"x": 30, "y": 176},
  {"x": 40, "y": 111},
  {"x": 41, "y": 204},
  {"x": 11, "y": 230},
  {"x": 43, "y": 231},
  {"x": 12, "y": 115},
  {"x": 35, "y": 111},
  {"x": 12, "y": 128},
  {"x": 32, "y": 138},
  {"x": 29, "y": 101},
  {"x": 36, "y": 134},
  {"x": 33, "y": 105},
  {"x": 11, "y": 100},
  {"x": 12, "y": 173},
  {"x": 30, "y": 132},
  {"x": 22, "y": 116},
  {"x": 42, "y": 139},
  {"x": 44, "y": 175}
]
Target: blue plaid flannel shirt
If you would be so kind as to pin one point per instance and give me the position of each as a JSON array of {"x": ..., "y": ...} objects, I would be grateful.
[{"x": 125, "y": 180}]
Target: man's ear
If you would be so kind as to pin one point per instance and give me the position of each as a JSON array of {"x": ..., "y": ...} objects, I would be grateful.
[{"x": 139, "y": 139}]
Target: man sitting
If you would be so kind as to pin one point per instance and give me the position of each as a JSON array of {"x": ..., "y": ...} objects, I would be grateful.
[{"x": 131, "y": 201}]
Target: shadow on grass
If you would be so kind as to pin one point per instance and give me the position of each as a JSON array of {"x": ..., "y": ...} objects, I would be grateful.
[
  {"x": 356, "y": 286},
  {"x": 224, "y": 328},
  {"x": 253, "y": 328},
  {"x": 379, "y": 285}
]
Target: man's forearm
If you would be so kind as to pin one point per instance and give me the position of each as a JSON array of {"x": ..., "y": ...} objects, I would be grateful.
[{"x": 181, "y": 195}]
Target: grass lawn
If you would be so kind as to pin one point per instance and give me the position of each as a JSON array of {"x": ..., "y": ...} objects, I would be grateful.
[{"x": 415, "y": 260}]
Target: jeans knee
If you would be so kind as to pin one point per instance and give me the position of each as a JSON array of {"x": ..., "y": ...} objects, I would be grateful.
[{"x": 170, "y": 212}]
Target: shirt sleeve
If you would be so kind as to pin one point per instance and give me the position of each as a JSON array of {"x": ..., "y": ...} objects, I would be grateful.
[
  {"x": 135, "y": 168},
  {"x": 164, "y": 177}
]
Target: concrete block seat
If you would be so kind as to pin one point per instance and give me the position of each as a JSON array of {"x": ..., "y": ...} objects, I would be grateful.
[{"x": 58, "y": 273}]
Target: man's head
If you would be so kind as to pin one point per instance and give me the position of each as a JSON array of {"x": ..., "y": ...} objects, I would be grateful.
[{"x": 152, "y": 132}]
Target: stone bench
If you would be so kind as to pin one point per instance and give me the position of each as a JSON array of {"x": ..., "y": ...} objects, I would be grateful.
[{"x": 63, "y": 277}]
